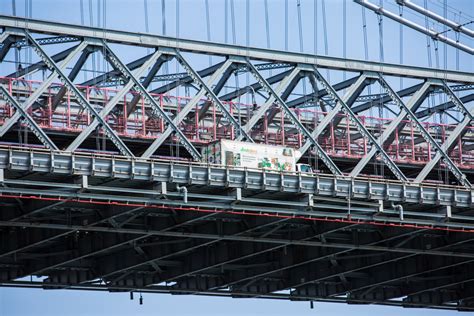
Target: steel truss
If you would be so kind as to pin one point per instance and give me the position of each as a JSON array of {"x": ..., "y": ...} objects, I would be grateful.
[{"x": 124, "y": 220}]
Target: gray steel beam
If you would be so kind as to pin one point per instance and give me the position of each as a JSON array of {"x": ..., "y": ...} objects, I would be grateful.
[
  {"x": 30, "y": 68},
  {"x": 80, "y": 98},
  {"x": 415, "y": 100},
  {"x": 108, "y": 245},
  {"x": 457, "y": 27},
  {"x": 163, "y": 255},
  {"x": 411, "y": 267},
  {"x": 406, "y": 111},
  {"x": 62, "y": 163},
  {"x": 7, "y": 41},
  {"x": 443, "y": 106},
  {"x": 445, "y": 147},
  {"x": 361, "y": 128},
  {"x": 304, "y": 277},
  {"x": 111, "y": 104},
  {"x": 131, "y": 106},
  {"x": 199, "y": 81},
  {"x": 254, "y": 87},
  {"x": 292, "y": 117},
  {"x": 284, "y": 96},
  {"x": 187, "y": 79},
  {"x": 317, "y": 94},
  {"x": 384, "y": 99},
  {"x": 111, "y": 213},
  {"x": 261, "y": 111},
  {"x": 357, "y": 87},
  {"x": 39, "y": 91},
  {"x": 433, "y": 34},
  {"x": 72, "y": 75},
  {"x": 185, "y": 111},
  {"x": 40, "y": 134},
  {"x": 266, "y": 240},
  {"x": 301, "y": 277},
  {"x": 115, "y": 73},
  {"x": 148, "y": 40},
  {"x": 217, "y": 88},
  {"x": 155, "y": 107}
]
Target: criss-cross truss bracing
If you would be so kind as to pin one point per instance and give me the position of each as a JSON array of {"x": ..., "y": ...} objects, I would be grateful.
[{"x": 102, "y": 186}]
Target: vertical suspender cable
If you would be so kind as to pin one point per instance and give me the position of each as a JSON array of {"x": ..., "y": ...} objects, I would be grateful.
[
  {"x": 81, "y": 8},
  {"x": 147, "y": 26},
  {"x": 428, "y": 51},
  {"x": 366, "y": 44},
  {"x": 344, "y": 33},
  {"x": 208, "y": 25},
  {"x": 445, "y": 55},
  {"x": 316, "y": 165},
  {"x": 163, "y": 29},
  {"x": 325, "y": 31},
  {"x": 232, "y": 17},
  {"x": 99, "y": 17},
  {"x": 300, "y": 32},
  {"x": 247, "y": 39},
  {"x": 234, "y": 41},
  {"x": 267, "y": 23},
  {"x": 226, "y": 19},
  {"x": 105, "y": 65},
  {"x": 186, "y": 89},
  {"x": 91, "y": 23},
  {"x": 381, "y": 60},
  {"x": 315, "y": 27},
  {"x": 267, "y": 27},
  {"x": 400, "y": 8},
  {"x": 286, "y": 25}
]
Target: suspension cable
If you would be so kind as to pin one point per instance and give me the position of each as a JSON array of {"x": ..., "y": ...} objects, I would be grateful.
[{"x": 325, "y": 30}]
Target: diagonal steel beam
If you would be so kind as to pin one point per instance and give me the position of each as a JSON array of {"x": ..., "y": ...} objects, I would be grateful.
[
  {"x": 350, "y": 97},
  {"x": 299, "y": 126},
  {"x": 198, "y": 80},
  {"x": 184, "y": 112},
  {"x": 360, "y": 127},
  {"x": 459, "y": 130},
  {"x": 42, "y": 136},
  {"x": 217, "y": 88},
  {"x": 284, "y": 96},
  {"x": 114, "y": 73},
  {"x": 271, "y": 99},
  {"x": 56, "y": 58},
  {"x": 415, "y": 100},
  {"x": 253, "y": 87},
  {"x": 111, "y": 104},
  {"x": 39, "y": 91},
  {"x": 156, "y": 109},
  {"x": 7, "y": 41},
  {"x": 405, "y": 110},
  {"x": 454, "y": 98},
  {"x": 384, "y": 99},
  {"x": 79, "y": 96},
  {"x": 72, "y": 75},
  {"x": 319, "y": 93},
  {"x": 187, "y": 80},
  {"x": 131, "y": 106},
  {"x": 443, "y": 106}
]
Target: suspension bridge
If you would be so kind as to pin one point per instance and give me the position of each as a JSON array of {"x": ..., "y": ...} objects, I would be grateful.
[{"x": 103, "y": 186}]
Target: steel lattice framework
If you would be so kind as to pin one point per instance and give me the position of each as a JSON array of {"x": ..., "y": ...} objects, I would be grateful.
[{"x": 91, "y": 199}]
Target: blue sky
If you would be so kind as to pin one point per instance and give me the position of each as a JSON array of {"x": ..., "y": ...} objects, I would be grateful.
[{"x": 129, "y": 15}]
